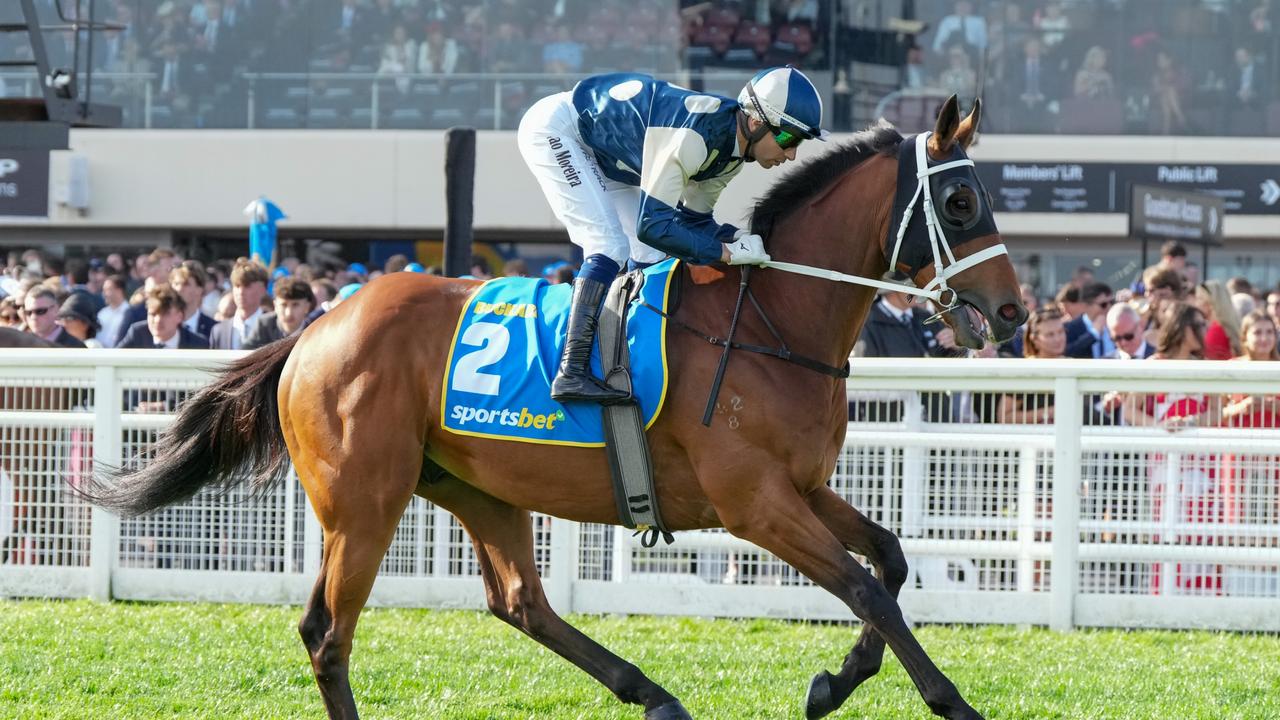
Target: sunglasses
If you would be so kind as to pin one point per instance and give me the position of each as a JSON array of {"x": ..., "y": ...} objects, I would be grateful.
[
  {"x": 1104, "y": 304},
  {"x": 39, "y": 311},
  {"x": 786, "y": 139},
  {"x": 1127, "y": 337}
]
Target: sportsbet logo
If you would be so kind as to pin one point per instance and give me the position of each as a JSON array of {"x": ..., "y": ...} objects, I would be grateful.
[{"x": 511, "y": 418}]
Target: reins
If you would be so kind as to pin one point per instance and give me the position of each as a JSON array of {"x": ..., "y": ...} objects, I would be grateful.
[{"x": 935, "y": 290}]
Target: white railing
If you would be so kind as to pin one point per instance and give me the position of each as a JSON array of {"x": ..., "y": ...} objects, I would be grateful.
[{"x": 1078, "y": 522}]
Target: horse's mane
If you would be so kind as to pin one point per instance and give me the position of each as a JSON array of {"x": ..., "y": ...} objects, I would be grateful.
[{"x": 796, "y": 187}]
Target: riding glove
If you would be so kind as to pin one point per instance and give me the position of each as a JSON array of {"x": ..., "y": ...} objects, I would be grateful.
[{"x": 748, "y": 250}]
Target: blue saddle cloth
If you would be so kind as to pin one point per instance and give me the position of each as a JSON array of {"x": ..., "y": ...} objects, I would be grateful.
[{"x": 506, "y": 349}]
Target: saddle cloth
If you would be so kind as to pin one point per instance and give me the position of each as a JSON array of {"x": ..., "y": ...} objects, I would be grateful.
[{"x": 505, "y": 351}]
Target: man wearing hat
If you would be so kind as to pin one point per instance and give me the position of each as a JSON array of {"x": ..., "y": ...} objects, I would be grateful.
[{"x": 80, "y": 320}]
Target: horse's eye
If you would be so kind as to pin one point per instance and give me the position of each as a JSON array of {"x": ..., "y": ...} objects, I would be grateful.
[{"x": 960, "y": 205}]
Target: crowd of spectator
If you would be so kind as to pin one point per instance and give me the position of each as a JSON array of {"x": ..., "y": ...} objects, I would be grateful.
[
  {"x": 1166, "y": 313},
  {"x": 1072, "y": 66},
  {"x": 197, "y": 52},
  {"x": 1104, "y": 66},
  {"x": 161, "y": 300}
]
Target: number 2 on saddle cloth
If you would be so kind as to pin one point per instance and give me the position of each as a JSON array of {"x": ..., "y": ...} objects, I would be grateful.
[{"x": 507, "y": 345}]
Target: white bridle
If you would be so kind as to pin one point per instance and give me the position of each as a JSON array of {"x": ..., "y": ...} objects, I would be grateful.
[{"x": 937, "y": 240}]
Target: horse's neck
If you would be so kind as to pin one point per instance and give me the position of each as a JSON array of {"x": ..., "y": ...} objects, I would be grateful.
[{"x": 843, "y": 231}]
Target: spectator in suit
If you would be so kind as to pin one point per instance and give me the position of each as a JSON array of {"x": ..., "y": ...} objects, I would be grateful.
[
  {"x": 248, "y": 287},
  {"x": 294, "y": 302},
  {"x": 1087, "y": 335},
  {"x": 1248, "y": 84},
  {"x": 163, "y": 328},
  {"x": 895, "y": 328},
  {"x": 155, "y": 268},
  {"x": 1124, "y": 325},
  {"x": 962, "y": 26},
  {"x": 1035, "y": 81},
  {"x": 41, "y": 307},
  {"x": 1069, "y": 302},
  {"x": 188, "y": 280}
]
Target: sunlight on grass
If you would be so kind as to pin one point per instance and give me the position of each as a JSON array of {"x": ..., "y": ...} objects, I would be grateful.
[{"x": 132, "y": 660}]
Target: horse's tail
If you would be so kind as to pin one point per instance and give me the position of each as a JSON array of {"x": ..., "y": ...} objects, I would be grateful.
[{"x": 225, "y": 434}]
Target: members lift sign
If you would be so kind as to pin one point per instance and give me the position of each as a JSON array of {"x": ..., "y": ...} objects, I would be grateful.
[
  {"x": 1104, "y": 187},
  {"x": 24, "y": 182}
]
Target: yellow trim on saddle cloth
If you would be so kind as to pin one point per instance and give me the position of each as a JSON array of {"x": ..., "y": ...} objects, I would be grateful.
[{"x": 662, "y": 398}]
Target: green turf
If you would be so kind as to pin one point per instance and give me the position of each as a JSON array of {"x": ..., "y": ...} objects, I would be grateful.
[{"x": 125, "y": 660}]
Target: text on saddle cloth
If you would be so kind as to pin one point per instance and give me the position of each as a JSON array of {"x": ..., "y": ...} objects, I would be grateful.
[{"x": 506, "y": 349}]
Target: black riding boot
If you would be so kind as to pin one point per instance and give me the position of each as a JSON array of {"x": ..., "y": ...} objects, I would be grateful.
[{"x": 574, "y": 380}]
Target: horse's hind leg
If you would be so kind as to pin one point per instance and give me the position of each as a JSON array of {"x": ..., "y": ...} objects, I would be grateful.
[
  {"x": 780, "y": 521},
  {"x": 359, "y": 509},
  {"x": 503, "y": 539},
  {"x": 828, "y": 692}
]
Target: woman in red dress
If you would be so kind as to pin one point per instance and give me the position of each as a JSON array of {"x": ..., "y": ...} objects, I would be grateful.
[
  {"x": 1183, "y": 486},
  {"x": 1222, "y": 338},
  {"x": 1251, "y": 483}
]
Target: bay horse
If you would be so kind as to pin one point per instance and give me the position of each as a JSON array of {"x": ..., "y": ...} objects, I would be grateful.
[{"x": 355, "y": 402}]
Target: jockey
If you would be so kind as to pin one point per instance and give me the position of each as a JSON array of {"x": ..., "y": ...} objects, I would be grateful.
[{"x": 633, "y": 166}]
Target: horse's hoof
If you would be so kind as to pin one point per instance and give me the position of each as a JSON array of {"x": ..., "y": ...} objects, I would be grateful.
[
  {"x": 819, "y": 703},
  {"x": 670, "y": 711}
]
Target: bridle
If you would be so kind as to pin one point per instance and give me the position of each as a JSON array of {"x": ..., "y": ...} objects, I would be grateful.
[{"x": 937, "y": 289}]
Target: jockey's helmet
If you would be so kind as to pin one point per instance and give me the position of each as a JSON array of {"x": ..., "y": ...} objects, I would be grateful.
[{"x": 784, "y": 99}]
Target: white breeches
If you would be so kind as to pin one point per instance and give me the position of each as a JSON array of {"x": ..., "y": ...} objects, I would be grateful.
[{"x": 600, "y": 214}]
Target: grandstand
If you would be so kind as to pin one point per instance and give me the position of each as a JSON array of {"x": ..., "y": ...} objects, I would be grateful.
[{"x": 1011, "y": 508}]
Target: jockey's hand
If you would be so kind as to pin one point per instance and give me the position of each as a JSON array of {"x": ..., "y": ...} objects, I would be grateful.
[{"x": 745, "y": 250}]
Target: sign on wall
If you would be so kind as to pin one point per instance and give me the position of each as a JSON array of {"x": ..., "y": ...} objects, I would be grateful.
[
  {"x": 1169, "y": 214},
  {"x": 24, "y": 183},
  {"x": 1104, "y": 187}
]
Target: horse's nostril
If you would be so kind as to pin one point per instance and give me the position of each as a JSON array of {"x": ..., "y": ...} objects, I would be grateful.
[{"x": 1009, "y": 312}]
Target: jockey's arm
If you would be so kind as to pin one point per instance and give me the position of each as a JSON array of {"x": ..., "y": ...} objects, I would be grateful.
[{"x": 686, "y": 231}]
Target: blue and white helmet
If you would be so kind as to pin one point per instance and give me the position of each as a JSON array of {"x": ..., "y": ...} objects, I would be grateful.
[{"x": 782, "y": 97}]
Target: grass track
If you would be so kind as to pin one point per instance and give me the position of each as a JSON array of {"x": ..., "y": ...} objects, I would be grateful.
[{"x": 127, "y": 660}]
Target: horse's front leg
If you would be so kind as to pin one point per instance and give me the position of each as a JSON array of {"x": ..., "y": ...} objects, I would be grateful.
[
  {"x": 779, "y": 520},
  {"x": 827, "y": 691}
]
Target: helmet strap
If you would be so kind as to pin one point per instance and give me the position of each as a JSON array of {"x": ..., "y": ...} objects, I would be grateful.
[{"x": 752, "y": 136}]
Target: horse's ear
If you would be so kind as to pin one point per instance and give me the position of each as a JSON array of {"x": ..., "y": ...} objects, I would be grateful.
[
  {"x": 945, "y": 129},
  {"x": 968, "y": 129}
]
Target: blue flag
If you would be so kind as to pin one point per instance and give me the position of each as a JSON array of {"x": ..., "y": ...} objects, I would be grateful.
[{"x": 263, "y": 216}]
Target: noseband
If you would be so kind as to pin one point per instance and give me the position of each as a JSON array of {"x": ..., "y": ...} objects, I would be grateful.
[{"x": 937, "y": 289}]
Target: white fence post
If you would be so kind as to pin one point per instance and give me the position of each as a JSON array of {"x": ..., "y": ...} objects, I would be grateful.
[
  {"x": 104, "y": 538},
  {"x": 441, "y": 532},
  {"x": 564, "y": 564},
  {"x": 1065, "y": 573},
  {"x": 1027, "y": 458},
  {"x": 913, "y": 468},
  {"x": 621, "y": 561}
]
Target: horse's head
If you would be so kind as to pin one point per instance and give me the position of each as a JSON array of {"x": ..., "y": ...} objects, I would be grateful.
[{"x": 977, "y": 280}]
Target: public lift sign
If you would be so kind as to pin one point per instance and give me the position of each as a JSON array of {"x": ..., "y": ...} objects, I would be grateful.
[{"x": 24, "y": 183}]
